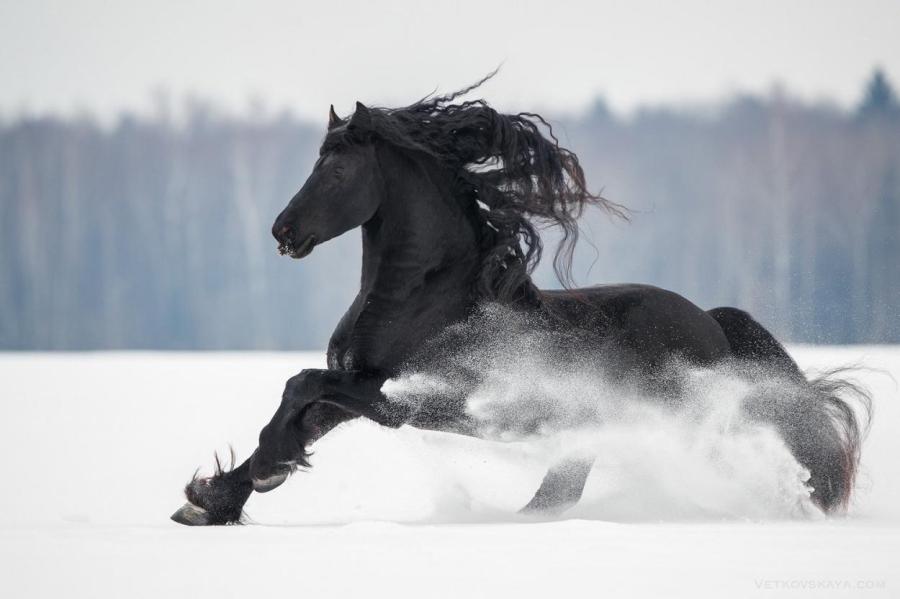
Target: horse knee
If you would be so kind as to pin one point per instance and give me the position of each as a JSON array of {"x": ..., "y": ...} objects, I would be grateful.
[
  {"x": 299, "y": 391},
  {"x": 308, "y": 383}
]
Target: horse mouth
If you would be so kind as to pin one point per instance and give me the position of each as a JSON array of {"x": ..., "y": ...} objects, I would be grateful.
[{"x": 287, "y": 248}]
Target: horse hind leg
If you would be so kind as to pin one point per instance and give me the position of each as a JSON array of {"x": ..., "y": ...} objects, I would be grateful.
[{"x": 561, "y": 488}]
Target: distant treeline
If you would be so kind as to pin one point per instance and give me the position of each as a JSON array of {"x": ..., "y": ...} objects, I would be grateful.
[{"x": 152, "y": 235}]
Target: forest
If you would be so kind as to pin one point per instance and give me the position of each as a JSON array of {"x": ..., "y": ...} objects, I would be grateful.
[{"x": 152, "y": 232}]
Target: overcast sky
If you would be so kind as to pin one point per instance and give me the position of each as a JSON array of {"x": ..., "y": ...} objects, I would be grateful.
[{"x": 104, "y": 56}]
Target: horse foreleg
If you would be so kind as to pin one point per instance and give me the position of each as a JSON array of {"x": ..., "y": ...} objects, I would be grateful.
[
  {"x": 561, "y": 488},
  {"x": 220, "y": 498},
  {"x": 295, "y": 425},
  {"x": 216, "y": 499}
]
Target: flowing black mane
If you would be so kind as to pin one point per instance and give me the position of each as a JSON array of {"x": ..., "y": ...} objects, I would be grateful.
[{"x": 503, "y": 163}]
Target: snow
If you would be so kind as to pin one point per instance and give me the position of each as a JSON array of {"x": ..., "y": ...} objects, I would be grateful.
[{"x": 96, "y": 447}]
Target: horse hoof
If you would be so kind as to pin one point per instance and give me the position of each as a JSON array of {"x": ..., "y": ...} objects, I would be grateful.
[
  {"x": 191, "y": 515},
  {"x": 262, "y": 485}
]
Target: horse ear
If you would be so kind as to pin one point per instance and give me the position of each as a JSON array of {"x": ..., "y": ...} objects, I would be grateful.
[
  {"x": 361, "y": 119},
  {"x": 333, "y": 119}
]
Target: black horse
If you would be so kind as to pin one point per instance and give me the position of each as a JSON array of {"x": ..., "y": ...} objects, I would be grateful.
[{"x": 449, "y": 196}]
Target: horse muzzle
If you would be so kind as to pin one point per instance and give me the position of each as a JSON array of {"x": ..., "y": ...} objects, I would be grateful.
[{"x": 297, "y": 251}]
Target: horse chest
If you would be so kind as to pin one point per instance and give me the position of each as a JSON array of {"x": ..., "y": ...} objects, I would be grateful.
[
  {"x": 378, "y": 335},
  {"x": 372, "y": 337}
]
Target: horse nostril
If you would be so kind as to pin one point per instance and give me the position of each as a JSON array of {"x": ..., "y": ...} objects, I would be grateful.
[{"x": 283, "y": 233}]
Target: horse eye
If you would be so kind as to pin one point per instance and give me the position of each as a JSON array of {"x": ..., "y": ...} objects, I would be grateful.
[{"x": 338, "y": 171}]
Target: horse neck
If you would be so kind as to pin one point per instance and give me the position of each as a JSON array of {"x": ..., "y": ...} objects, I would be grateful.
[{"x": 422, "y": 242}]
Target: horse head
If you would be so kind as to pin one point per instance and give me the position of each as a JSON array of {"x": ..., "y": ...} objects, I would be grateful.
[{"x": 342, "y": 192}]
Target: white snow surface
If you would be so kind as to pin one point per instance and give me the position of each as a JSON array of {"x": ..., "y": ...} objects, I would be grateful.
[{"x": 96, "y": 447}]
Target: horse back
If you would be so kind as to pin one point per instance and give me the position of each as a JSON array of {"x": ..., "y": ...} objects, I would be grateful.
[{"x": 646, "y": 324}]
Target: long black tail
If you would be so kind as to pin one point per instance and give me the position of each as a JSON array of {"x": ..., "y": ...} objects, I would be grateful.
[{"x": 823, "y": 419}]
